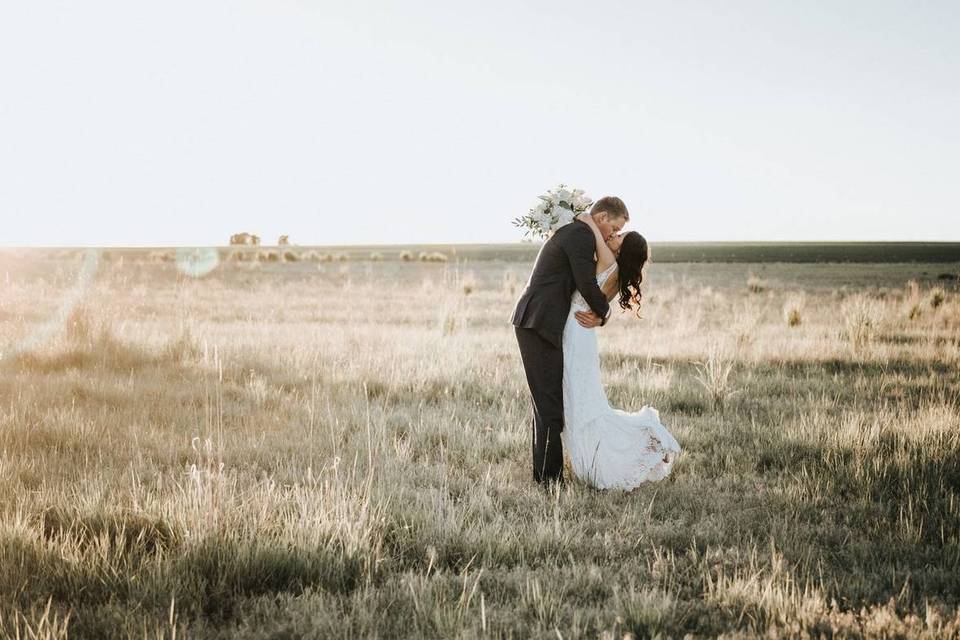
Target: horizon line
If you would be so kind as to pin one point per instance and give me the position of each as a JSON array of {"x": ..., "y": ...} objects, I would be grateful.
[{"x": 439, "y": 244}]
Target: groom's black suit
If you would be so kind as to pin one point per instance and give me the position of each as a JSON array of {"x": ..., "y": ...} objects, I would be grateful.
[{"x": 565, "y": 263}]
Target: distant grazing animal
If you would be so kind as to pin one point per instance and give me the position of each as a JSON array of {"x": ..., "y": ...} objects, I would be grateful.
[
  {"x": 244, "y": 238},
  {"x": 435, "y": 256}
]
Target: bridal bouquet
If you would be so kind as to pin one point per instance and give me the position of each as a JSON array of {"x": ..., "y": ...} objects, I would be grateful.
[{"x": 557, "y": 207}]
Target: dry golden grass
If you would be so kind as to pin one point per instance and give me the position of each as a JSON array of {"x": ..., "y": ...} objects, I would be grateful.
[{"x": 342, "y": 450}]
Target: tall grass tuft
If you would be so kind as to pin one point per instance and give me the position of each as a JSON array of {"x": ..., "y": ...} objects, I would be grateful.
[
  {"x": 46, "y": 624},
  {"x": 755, "y": 284},
  {"x": 792, "y": 310},
  {"x": 510, "y": 283},
  {"x": 861, "y": 320},
  {"x": 468, "y": 283},
  {"x": 912, "y": 301},
  {"x": 713, "y": 374},
  {"x": 183, "y": 347},
  {"x": 937, "y": 296}
]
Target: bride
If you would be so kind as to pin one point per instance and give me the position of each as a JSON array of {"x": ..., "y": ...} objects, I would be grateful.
[{"x": 609, "y": 448}]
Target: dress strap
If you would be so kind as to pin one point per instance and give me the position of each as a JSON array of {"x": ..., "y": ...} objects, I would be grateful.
[{"x": 603, "y": 275}]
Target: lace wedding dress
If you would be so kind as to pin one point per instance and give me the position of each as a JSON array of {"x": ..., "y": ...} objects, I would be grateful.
[{"x": 608, "y": 448}]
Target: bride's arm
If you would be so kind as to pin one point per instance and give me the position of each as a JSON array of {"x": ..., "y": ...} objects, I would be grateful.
[{"x": 605, "y": 256}]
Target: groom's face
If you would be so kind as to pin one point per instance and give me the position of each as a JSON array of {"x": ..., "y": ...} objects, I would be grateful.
[{"x": 609, "y": 226}]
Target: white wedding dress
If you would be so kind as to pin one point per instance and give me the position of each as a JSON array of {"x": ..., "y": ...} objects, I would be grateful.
[{"x": 609, "y": 448}]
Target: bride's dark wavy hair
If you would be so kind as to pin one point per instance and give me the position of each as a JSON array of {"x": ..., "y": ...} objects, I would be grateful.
[{"x": 634, "y": 254}]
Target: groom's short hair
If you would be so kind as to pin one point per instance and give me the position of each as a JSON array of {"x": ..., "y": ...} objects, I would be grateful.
[{"x": 612, "y": 205}]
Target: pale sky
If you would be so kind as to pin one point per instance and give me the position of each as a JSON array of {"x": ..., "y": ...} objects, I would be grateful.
[{"x": 178, "y": 123}]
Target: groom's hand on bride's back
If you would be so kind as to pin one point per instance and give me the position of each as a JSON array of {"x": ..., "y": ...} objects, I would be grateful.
[{"x": 588, "y": 319}]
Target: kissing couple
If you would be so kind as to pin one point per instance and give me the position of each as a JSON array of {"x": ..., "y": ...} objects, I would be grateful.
[{"x": 579, "y": 271}]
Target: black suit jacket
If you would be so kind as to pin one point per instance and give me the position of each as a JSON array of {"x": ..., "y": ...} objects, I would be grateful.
[{"x": 565, "y": 264}]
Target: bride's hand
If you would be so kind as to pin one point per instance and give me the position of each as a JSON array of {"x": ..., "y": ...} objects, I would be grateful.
[{"x": 586, "y": 217}]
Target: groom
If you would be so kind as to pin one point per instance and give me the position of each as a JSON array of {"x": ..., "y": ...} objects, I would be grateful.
[{"x": 565, "y": 263}]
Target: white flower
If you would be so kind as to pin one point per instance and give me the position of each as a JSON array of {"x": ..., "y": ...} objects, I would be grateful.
[{"x": 557, "y": 207}]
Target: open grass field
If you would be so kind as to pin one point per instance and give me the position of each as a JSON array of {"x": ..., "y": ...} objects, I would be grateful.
[
  {"x": 663, "y": 252},
  {"x": 193, "y": 446}
]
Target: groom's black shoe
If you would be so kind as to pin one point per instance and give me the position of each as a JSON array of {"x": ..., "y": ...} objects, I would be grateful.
[
  {"x": 554, "y": 480},
  {"x": 552, "y": 485},
  {"x": 547, "y": 452}
]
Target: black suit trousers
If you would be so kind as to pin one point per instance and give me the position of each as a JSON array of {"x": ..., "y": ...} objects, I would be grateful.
[{"x": 543, "y": 364}]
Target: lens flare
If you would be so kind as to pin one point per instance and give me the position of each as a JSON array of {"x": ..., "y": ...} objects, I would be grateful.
[
  {"x": 55, "y": 324},
  {"x": 198, "y": 261}
]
